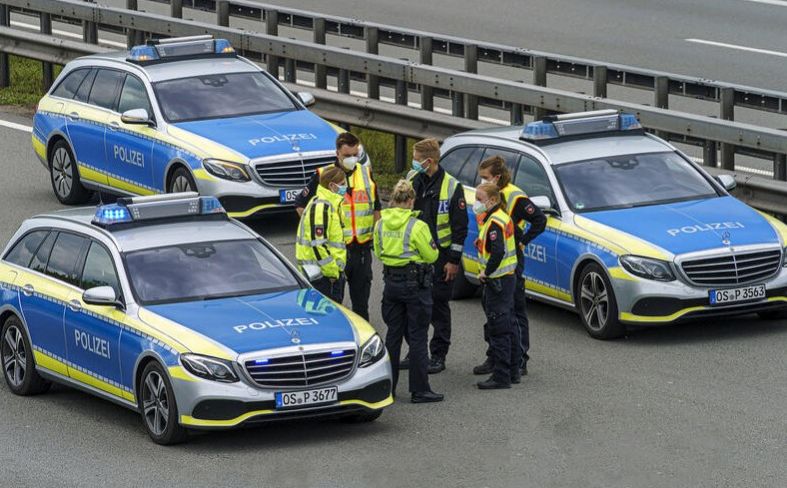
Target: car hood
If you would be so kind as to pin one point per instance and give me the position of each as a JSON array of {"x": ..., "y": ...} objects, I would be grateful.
[
  {"x": 256, "y": 322},
  {"x": 257, "y": 136},
  {"x": 690, "y": 226}
]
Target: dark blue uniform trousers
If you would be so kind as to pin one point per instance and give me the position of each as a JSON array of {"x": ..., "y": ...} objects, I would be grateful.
[{"x": 501, "y": 329}]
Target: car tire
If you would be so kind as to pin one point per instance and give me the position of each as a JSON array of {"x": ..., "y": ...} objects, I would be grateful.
[
  {"x": 156, "y": 401},
  {"x": 17, "y": 360},
  {"x": 773, "y": 314},
  {"x": 363, "y": 417},
  {"x": 463, "y": 288},
  {"x": 596, "y": 304},
  {"x": 64, "y": 176},
  {"x": 180, "y": 181}
]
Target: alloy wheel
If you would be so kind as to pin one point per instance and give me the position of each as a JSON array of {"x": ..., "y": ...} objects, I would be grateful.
[
  {"x": 155, "y": 403},
  {"x": 181, "y": 184},
  {"x": 594, "y": 300},
  {"x": 14, "y": 356},
  {"x": 61, "y": 172}
]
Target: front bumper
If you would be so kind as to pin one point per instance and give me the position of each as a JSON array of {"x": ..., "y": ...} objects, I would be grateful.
[
  {"x": 204, "y": 404},
  {"x": 645, "y": 302},
  {"x": 241, "y": 200}
]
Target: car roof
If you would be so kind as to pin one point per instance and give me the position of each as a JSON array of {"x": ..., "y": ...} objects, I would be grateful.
[
  {"x": 575, "y": 149},
  {"x": 166, "y": 232},
  {"x": 184, "y": 68}
]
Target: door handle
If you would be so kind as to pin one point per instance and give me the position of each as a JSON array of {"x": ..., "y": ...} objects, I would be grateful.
[
  {"x": 73, "y": 116},
  {"x": 28, "y": 290},
  {"x": 114, "y": 126},
  {"x": 75, "y": 305}
]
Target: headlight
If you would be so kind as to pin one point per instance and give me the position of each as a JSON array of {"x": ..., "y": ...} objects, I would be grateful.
[
  {"x": 372, "y": 351},
  {"x": 226, "y": 170},
  {"x": 651, "y": 269},
  {"x": 209, "y": 368}
]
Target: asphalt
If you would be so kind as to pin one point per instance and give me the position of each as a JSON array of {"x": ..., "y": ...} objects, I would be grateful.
[{"x": 698, "y": 405}]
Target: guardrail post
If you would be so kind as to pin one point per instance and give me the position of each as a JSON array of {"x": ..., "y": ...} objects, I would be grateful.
[
  {"x": 223, "y": 13},
  {"x": 132, "y": 34},
  {"x": 290, "y": 70},
  {"x": 372, "y": 47},
  {"x": 539, "y": 79},
  {"x": 400, "y": 142},
  {"x": 425, "y": 57},
  {"x": 709, "y": 154},
  {"x": 727, "y": 112},
  {"x": 780, "y": 167},
  {"x": 661, "y": 97},
  {"x": 89, "y": 30},
  {"x": 471, "y": 66},
  {"x": 600, "y": 81},
  {"x": 176, "y": 9},
  {"x": 343, "y": 80},
  {"x": 272, "y": 29},
  {"x": 5, "y": 68},
  {"x": 457, "y": 104},
  {"x": 48, "y": 73},
  {"x": 517, "y": 114},
  {"x": 320, "y": 70}
]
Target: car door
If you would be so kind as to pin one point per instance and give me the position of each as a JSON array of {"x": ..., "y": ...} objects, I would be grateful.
[
  {"x": 92, "y": 331},
  {"x": 45, "y": 287},
  {"x": 129, "y": 147}
]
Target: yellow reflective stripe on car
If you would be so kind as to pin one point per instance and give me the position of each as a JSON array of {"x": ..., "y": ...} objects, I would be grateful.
[
  {"x": 50, "y": 363},
  {"x": 252, "y": 211},
  {"x": 188, "y": 420},
  {"x": 363, "y": 330},
  {"x": 198, "y": 145},
  {"x": 630, "y": 317},
  {"x": 619, "y": 273},
  {"x": 87, "y": 173},
  {"x": 612, "y": 238},
  {"x": 177, "y": 372},
  {"x": 187, "y": 339},
  {"x": 201, "y": 174},
  {"x": 778, "y": 226},
  {"x": 49, "y": 104},
  {"x": 99, "y": 384},
  {"x": 544, "y": 289},
  {"x": 125, "y": 185},
  {"x": 39, "y": 147}
]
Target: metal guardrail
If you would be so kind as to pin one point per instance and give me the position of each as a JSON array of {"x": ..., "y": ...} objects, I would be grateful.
[{"x": 396, "y": 118}]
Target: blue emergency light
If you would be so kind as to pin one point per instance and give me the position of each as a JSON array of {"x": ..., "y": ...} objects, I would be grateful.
[
  {"x": 579, "y": 124},
  {"x": 172, "y": 205},
  {"x": 180, "y": 48}
]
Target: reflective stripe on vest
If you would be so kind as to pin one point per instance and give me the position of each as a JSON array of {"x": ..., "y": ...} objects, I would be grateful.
[
  {"x": 447, "y": 189},
  {"x": 407, "y": 250},
  {"x": 358, "y": 208},
  {"x": 311, "y": 249},
  {"x": 508, "y": 264},
  {"x": 512, "y": 194}
]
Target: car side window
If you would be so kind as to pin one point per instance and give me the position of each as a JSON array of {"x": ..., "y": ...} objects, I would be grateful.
[
  {"x": 84, "y": 89},
  {"x": 454, "y": 160},
  {"x": 64, "y": 257},
  {"x": 25, "y": 248},
  {"x": 42, "y": 255},
  {"x": 532, "y": 178},
  {"x": 105, "y": 88},
  {"x": 133, "y": 96},
  {"x": 99, "y": 269},
  {"x": 70, "y": 84}
]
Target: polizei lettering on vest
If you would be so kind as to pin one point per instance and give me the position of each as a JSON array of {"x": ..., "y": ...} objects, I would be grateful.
[
  {"x": 693, "y": 229},
  {"x": 273, "y": 324},
  {"x": 282, "y": 138}
]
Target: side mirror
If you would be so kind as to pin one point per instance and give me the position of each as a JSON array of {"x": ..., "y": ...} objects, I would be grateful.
[
  {"x": 312, "y": 272},
  {"x": 727, "y": 181},
  {"x": 100, "y": 295},
  {"x": 306, "y": 98},
  {"x": 137, "y": 116},
  {"x": 545, "y": 204}
]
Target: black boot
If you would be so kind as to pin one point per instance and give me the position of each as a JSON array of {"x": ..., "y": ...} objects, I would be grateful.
[
  {"x": 491, "y": 384},
  {"x": 484, "y": 368},
  {"x": 436, "y": 365},
  {"x": 426, "y": 397}
]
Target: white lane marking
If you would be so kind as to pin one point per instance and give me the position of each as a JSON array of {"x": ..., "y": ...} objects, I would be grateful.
[
  {"x": 14, "y": 125},
  {"x": 739, "y": 48},
  {"x": 778, "y": 3},
  {"x": 58, "y": 32}
]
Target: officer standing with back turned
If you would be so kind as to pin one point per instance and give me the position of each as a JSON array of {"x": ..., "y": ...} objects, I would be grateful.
[
  {"x": 441, "y": 200},
  {"x": 360, "y": 209}
]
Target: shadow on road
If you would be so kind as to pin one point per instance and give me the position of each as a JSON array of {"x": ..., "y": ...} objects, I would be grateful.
[{"x": 733, "y": 328}]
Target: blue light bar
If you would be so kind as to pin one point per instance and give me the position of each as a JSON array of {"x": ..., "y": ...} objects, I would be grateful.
[
  {"x": 172, "y": 205},
  {"x": 337, "y": 353},
  {"x": 210, "y": 205},
  {"x": 160, "y": 50},
  {"x": 580, "y": 124},
  {"x": 112, "y": 214},
  {"x": 261, "y": 361},
  {"x": 142, "y": 54}
]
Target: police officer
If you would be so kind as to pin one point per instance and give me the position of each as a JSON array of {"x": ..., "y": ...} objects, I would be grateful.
[
  {"x": 441, "y": 200},
  {"x": 360, "y": 210},
  {"x": 405, "y": 246},
  {"x": 497, "y": 252},
  {"x": 521, "y": 210},
  {"x": 320, "y": 241}
]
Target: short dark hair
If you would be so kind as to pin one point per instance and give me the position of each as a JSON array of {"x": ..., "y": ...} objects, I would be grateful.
[{"x": 346, "y": 139}]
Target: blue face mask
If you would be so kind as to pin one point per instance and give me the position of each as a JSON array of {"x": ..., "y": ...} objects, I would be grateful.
[
  {"x": 341, "y": 190},
  {"x": 418, "y": 167}
]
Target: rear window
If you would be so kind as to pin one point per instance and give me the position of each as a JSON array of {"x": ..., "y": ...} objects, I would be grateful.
[
  {"x": 105, "y": 88},
  {"x": 24, "y": 249},
  {"x": 70, "y": 84}
]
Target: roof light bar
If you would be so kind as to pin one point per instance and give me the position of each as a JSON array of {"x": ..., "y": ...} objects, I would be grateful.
[
  {"x": 579, "y": 124},
  {"x": 179, "y": 48},
  {"x": 172, "y": 205}
]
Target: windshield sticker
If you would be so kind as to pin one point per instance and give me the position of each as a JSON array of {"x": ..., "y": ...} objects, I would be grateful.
[{"x": 579, "y": 205}]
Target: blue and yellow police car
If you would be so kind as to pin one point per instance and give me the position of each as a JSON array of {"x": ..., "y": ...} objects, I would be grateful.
[
  {"x": 637, "y": 233},
  {"x": 166, "y": 306},
  {"x": 180, "y": 114}
]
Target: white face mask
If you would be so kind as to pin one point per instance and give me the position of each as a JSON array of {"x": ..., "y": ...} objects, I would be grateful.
[
  {"x": 485, "y": 181},
  {"x": 349, "y": 162},
  {"x": 479, "y": 207}
]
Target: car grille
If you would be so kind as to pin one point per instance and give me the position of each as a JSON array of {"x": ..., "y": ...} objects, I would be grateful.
[
  {"x": 733, "y": 269},
  {"x": 293, "y": 173},
  {"x": 302, "y": 369}
]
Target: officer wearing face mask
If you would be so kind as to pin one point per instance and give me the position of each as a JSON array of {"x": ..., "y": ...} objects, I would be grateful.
[
  {"x": 360, "y": 210},
  {"x": 441, "y": 201},
  {"x": 320, "y": 242}
]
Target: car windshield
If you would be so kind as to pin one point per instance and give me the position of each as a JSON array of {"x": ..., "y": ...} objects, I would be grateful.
[
  {"x": 219, "y": 96},
  {"x": 206, "y": 270},
  {"x": 631, "y": 181}
]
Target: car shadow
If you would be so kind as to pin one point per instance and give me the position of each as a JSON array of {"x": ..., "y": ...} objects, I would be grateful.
[{"x": 708, "y": 330}]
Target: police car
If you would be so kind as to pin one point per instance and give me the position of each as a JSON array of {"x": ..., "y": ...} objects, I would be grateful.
[
  {"x": 181, "y": 114},
  {"x": 637, "y": 233},
  {"x": 166, "y": 306}
]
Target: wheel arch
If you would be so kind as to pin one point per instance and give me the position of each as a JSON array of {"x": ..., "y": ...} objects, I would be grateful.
[
  {"x": 172, "y": 166},
  {"x": 50, "y": 145},
  {"x": 143, "y": 360},
  {"x": 576, "y": 272}
]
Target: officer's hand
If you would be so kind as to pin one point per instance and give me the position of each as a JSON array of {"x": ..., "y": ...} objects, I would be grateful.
[
  {"x": 451, "y": 270},
  {"x": 482, "y": 276}
]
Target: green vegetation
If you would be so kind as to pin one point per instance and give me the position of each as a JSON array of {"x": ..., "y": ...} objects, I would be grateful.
[
  {"x": 380, "y": 147},
  {"x": 26, "y": 83}
]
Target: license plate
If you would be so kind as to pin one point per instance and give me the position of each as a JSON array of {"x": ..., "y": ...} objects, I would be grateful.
[
  {"x": 290, "y": 399},
  {"x": 288, "y": 196},
  {"x": 732, "y": 295}
]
